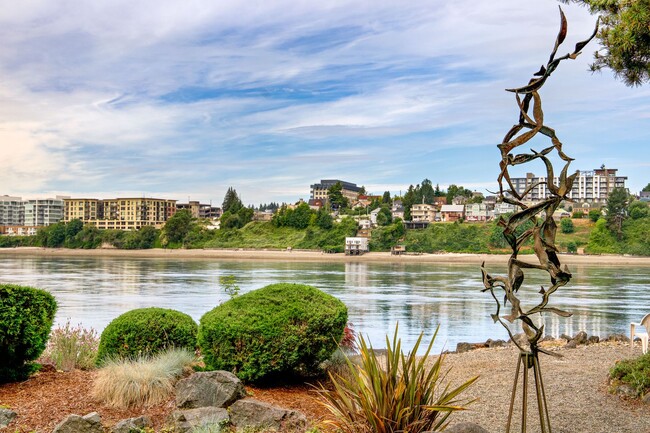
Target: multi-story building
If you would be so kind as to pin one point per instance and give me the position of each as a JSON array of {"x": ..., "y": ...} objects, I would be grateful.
[
  {"x": 120, "y": 213},
  {"x": 452, "y": 212},
  {"x": 423, "y": 212},
  {"x": 12, "y": 211},
  {"x": 44, "y": 212},
  {"x": 478, "y": 212},
  {"x": 199, "y": 210},
  {"x": 349, "y": 190},
  {"x": 589, "y": 186}
]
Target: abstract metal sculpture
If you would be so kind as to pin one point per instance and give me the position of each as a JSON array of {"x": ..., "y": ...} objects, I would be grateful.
[{"x": 542, "y": 231}]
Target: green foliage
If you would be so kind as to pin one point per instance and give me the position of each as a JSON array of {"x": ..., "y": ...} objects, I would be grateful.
[
  {"x": 273, "y": 332},
  {"x": 231, "y": 202},
  {"x": 324, "y": 219},
  {"x": 71, "y": 347},
  {"x": 634, "y": 372},
  {"x": 566, "y": 226},
  {"x": 395, "y": 393},
  {"x": 638, "y": 210},
  {"x": 384, "y": 238},
  {"x": 335, "y": 196},
  {"x": 601, "y": 240},
  {"x": 636, "y": 235},
  {"x": 52, "y": 236},
  {"x": 229, "y": 285},
  {"x": 16, "y": 241},
  {"x": 572, "y": 247},
  {"x": 26, "y": 316},
  {"x": 616, "y": 210},
  {"x": 177, "y": 227},
  {"x": 454, "y": 237},
  {"x": 578, "y": 214},
  {"x": 385, "y": 199},
  {"x": 454, "y": 191},
  {"x": 384, "y": 217},
  {"x": 298, "y": 218},
  {"x": 145, "y": 332},
  {"x": 646, "y": 188},
  {"x": 625, "y": 36},
  {"x": 594, "y": 215},
  {"x": 329, "y": 240}
]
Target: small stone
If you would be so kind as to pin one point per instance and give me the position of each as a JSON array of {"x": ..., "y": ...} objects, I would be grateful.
[
  {"x": 581, "y": 338},
  {"x": 132, "y": 425},
  {"x": 646, "y": 398},
  {"x": 465, "y": 427},
  {"x": 464, "y": 347},
  {"x": 495, "y": 343},
  {"x": 189, "y": 419},
  {"x": 255, "y": 414},
  {"x": 565, "y": 337},
  {"x": 6, "y": 416},
  {"x": 571, "y": 345},
  {"x": 594, "y": 339},
  {"x": 209, "y": 388},
  {"x": 90, "y": 423}
]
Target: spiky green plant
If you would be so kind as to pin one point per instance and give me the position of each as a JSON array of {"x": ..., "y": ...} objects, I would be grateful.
[
  {"x": 71, "y": 347},
  {"x": 401, "y": 393}
]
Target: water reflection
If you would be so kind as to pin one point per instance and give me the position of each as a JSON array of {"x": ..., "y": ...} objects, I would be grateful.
[{"x": 93, "y": 291}]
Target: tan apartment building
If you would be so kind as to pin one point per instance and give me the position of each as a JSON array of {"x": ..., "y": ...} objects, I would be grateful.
[
  {"x": 120, "y": 213},
  {"x": 423, "y": 212},
  {"x": 349, "y": 190}
]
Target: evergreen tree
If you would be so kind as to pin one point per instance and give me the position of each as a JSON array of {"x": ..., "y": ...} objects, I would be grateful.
[
  {"x": 335, "y": 196},
  {"x": 177, "y": 227},
  {"x": 617, "y": 210},
  {"x": 231, "y": 202},
  {"x": 386, "y": 198},
  {"x": 646, "y": 188}
]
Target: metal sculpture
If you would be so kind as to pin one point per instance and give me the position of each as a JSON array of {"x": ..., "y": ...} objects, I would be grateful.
[{"x": 542, "y": 231}]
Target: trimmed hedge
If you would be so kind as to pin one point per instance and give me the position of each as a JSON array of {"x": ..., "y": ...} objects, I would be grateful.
[
  {"x": 281, "y": 329},
  {"x": 26, "y": 316},
  {"x": 145, "y": 332}
]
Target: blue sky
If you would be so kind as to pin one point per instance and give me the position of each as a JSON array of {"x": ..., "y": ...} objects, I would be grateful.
[{"x": 184, "y": 99}]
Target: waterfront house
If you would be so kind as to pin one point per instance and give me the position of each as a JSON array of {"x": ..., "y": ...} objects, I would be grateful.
[{"x": 452, "y": 212}]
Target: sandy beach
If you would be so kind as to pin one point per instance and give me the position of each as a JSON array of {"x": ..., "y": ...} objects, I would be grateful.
[{"x": 316, "y": 256}]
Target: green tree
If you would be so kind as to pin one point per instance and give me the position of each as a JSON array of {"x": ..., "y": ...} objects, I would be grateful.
[
  {"x": 638, "y": 209},
  {"x": 177, "y": 227},
  {"x": 646, "y": 188},
  {"x": 335, "y": 196},
  {"x": 594, "y": 215},
  {"x": 231, "y": 202},
  {"x": 384, "y": 217},
  {"x": 566, "y": 226},
  {"x": 72, "y": 228},
  {"x": 426, "y": 192},
  {"x": 362, "y": 190},
  {"x": 625, "y": 38},
  {"x": 454, "y": 191},
  {"x": 386, "y": 198},
  {"x": 617, "y": 203}
]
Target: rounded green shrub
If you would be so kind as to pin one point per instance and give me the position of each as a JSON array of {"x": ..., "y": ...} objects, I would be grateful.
[
  {"x": 279, "y": 330},
  {"x": 26, "y": 316},
  {"x": 145, "y": 332}
]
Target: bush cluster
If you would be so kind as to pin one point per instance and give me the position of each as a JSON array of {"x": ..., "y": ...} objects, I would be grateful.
[
  {"x": 281, "y": 329},
  {"x": 635, "y": 372},
  {"x": 145, "y": 332},
  {"x": 26, "y": 316}
]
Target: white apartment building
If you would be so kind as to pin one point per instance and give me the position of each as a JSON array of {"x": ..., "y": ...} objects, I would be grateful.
[
  {"x": 589, "y": 186},
  {"x": 12, "y": 212},
  {"x": 44, "y": 212}
]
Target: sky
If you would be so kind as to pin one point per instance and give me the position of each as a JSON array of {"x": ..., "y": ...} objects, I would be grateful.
[{"x": 182, "y": 100}]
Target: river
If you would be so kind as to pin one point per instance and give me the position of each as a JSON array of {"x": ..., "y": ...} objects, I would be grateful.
[{"x": 92, "y": 291}]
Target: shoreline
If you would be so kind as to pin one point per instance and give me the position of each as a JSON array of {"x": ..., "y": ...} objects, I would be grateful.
[{"x": 317, "y": 256}]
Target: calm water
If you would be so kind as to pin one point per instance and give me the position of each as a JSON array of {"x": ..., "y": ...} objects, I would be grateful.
[{"x": 93, "y": 291}]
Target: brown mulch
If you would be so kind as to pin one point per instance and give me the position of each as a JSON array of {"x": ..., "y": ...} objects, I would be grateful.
[{"x": 49, "y": 396}]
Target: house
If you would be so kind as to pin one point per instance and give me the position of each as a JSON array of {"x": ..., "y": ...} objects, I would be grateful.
[
  {"x": 439, "y": 201},
  {"x": 373, "y": 216},
  {"x": 504, "y": 208},
  {"x": 423, "y": 212},
  {"x": 644, "y": 196},
  {"x": 452, "y": 212},
  {"x": 397, "y": 210},
  {"x": 266, "y": 215},
  {"x": 355, "y": 246},
  {"x": 477, "y": 212},
  {"x": 459, "y": 199},
  {"x": 18, "y": 230},
  {"x": 316, "y": 204}
]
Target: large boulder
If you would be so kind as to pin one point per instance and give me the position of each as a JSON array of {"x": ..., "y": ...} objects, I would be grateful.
[
  {"x": 209, "y": 388},
  {"x": 90, "y": 423},
  {"x": 132, "y": 425},
  {"x": 255, "y": 414},
  {"x": 6, "y": 416},
  {"x": 189, "y": 419}
]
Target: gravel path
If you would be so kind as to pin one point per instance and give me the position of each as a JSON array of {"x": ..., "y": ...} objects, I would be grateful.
[{"x": 576, "y": 389}]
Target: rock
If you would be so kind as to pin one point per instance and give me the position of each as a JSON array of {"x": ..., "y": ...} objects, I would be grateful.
[
  {"x": 566, "y": 337},
  {"x": 646, "y": 398},
  {"x": 618, "y": 338},
  {"x": 495, "y": 343},
  {"x": 580, "y": 338},
  {"x": 189, "y": 419},
  {"x": 624, "y": 390},
  {"x": 6, "y": 416},
  {"x": 594, "y": 339},
  {"x": 464, "y": 347},
  {"x": 521, "y": 340},
  {"x": 571, "y": 345},
  {"x": 255, "y": 414},
  {"x": 465, "y": 427},
  {"x": 132, "y": 425},
  {"x": 90, "y": 423},
  {"x": 547, "y": 338},
  {"x": 209, "y": 388}
]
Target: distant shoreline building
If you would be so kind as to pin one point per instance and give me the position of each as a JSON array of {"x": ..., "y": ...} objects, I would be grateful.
[
  {"x": 199, "y": 210},
  {"x": 589, "y": 186},
  {"x": 120, "y": 213},
  {"x": 319, "y": 190},
  {"x": 14, "y": 211}
]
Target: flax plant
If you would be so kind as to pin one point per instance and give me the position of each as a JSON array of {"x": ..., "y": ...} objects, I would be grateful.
[
  {"x": 395, "y": 393},
  {"x": 71, "y": 347}
]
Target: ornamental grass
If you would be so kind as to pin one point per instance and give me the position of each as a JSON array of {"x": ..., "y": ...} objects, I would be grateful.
[
  {"x": 71, "y": 347},
  {"x": 392, "y": 393},
  {"x": 127, "y": 383}
]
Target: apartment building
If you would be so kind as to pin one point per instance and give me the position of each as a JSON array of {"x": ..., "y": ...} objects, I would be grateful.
[
  {"x": 200, "y": 210},
  {"x": 12, "y": 211},
  {"x": 319, "y": 190},
  {"x": 43, "y": 212},
  {"x": 423, "y": 212},
  {"x": 120, "y": 213},
  {"x": 589, "y": 186}
]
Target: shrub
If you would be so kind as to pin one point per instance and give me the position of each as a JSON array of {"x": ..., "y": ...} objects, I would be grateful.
[
  {"x": 635, "y": 372},
  {"x": 572, "y": 247},
  {"x": 578, "y": 214},
  {"x": 145, "y": 332},
  {"x": 398, "y": 393},
  {"x": 124, "y": 383},
  {"x": 594, "y": 215},
  {"x": 566, "y": 225},
  {"x": 26, "y": 316},
  {"x": 281, "y": 329},
  {"x": 70, "y": 348}
]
